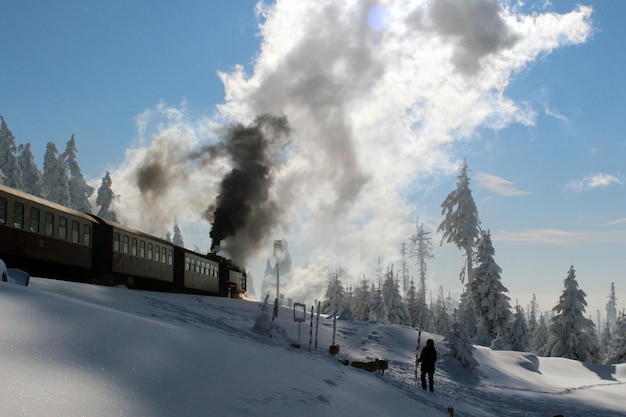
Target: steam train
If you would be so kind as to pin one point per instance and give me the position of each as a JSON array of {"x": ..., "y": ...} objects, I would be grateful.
[{"x": 52, "y": 241}]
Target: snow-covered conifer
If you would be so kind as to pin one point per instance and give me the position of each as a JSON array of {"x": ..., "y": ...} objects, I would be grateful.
[
  {"x": 617, "y": 351},
  {"x": 460, "y": 346},
  {"x": 519, "y": 335},
  {"x": 55, "y": 177},
  {"x": 168, "y": 237},
  {"x": 469, "y": 313},
  {"x": 362, "y": 301},
  {"x": 8, "y": 158},
  {"x": 178, "y": 236},
  {"x": 606, "y": 340},
  {"x": 334, "y": 299},
  {"x": 413, "y": 306},
  {"x": 572, "y": 335},
  {"x": 395, "y": 310},
  {"x": 541, "y": 334},
  {"x": 78, "y": 189},
  {"x": 441, "y": 318},
  {"x": 421, "y": 248},
  {"x": 377, "y": 313},
  {"x": 461, "y": 224},
  {"x": 501, "y": 342},
  {"x": 106, "y": 200},
  {"x": 611, "y": 308},
  {"x": 263, "y": 322},
  {"x": 533, "y": 309},
  {"x": 31, "y": 176},
  {"x": 488, "y": 295}
]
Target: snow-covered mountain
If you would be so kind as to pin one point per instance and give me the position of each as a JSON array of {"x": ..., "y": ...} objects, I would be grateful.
[{"x": 73, "y": 349}]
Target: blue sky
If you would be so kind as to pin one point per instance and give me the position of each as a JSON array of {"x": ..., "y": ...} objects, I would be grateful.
[{"x": 537, "y": 110}]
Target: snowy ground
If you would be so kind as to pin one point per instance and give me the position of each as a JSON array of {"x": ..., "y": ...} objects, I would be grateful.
[{"x": 80, "y": 350}]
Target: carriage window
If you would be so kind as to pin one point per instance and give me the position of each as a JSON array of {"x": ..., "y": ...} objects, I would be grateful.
[
  {"x": 169, "y": 257},
  {"x": 62, "y": 228},
  {"x": 34, "y": 219},
  {"x": 157, "y": 253},
  {"x": 125, "y": 244},
  {"x": 150, "y": 251},
  {"x": 187, "y": 263},
  {"x": 49, "y": 224},
  {"x": 18, "y": 215},
  {"x": 163, "y": 255},
  {"x": 3, "y": 211},
  {"x": 133, "y": 247},
  {"x": 87, "y": 235},
  {"x": 75, "y": 231},
  {"x": 142, "y": 249},
  {"x": 116, "y": 242}
]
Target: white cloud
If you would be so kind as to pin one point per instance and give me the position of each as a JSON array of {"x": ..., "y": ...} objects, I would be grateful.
[
  {"x": 558, "y": 116},
  {"x": 497, "y": 185},
  {"x": 591, "y": 182},
  {"x": 370, "y": 110}
]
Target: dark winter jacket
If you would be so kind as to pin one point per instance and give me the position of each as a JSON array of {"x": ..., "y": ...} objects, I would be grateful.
[{"x": 428, "y": 358}]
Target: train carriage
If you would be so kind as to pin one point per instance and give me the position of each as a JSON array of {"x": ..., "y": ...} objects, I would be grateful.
[
  {"x": 133, "y": 258},
  {"x": 45, "y": 238},
  {"x": 200, "y": 273},
  {"x": 50, "y": 240}
]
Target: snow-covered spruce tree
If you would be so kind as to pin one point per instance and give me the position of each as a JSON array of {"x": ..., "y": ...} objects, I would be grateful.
[
  {"x": 461, "y": 224},
  {"x": 611, "y": 308},
  {"x": 362, "y": 301},
  {"x": 617, "y": 350},
  {"x": 55, "y": 178},
  {"x": 441, "y": 318},
  {"x": 31, "y": 176},
  {"x": 178, "y": 236},
  {"x": 168, "y": 237},
  {"x": 468, "y": 311},
  {"x": 541, "y": 335},
  {"x": 606, "y": 340},
  {"x": 78, "y": 188},
  {"x": 377, "y": 313},
  {"x": 459, "y": 344},
  {"x": 413, "y": 306},
  {"x": 264, "y": 321},
  {"x": 519, "y": 336},
  {"x": 8, "y": 159},
  {"x": 106, "y": 200},
  {"x": 334, "y": 299},
  {"x": 421, "y": 248},
  {"x": 572, "y": 335},
  {"x": 395, "y": 310},
  {"x": 533, "y": 309},
  {"x": 492, "y": 304}
]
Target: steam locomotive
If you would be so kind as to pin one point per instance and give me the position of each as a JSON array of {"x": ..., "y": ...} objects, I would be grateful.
[{"x": 49, "y": 240}]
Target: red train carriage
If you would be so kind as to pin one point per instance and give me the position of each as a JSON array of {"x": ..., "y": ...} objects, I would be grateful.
[
  {"x": 133, "y": 258},
  {"x": 200, "y": 274},
  {"x": 50, "y": 240},
  {"x": 44, "y": 238}
]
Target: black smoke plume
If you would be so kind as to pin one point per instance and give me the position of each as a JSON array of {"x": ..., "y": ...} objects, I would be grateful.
[{"x": 244, "y": 212}]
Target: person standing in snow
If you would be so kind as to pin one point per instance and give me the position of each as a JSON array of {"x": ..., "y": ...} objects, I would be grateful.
[{"x": 428, "y": 358}]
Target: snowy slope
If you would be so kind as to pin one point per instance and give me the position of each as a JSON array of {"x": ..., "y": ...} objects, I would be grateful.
[{"x": 74, "y": 349}]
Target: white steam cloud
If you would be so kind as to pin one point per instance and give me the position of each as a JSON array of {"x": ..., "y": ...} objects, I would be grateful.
[{"x": 375, "y": 94}]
